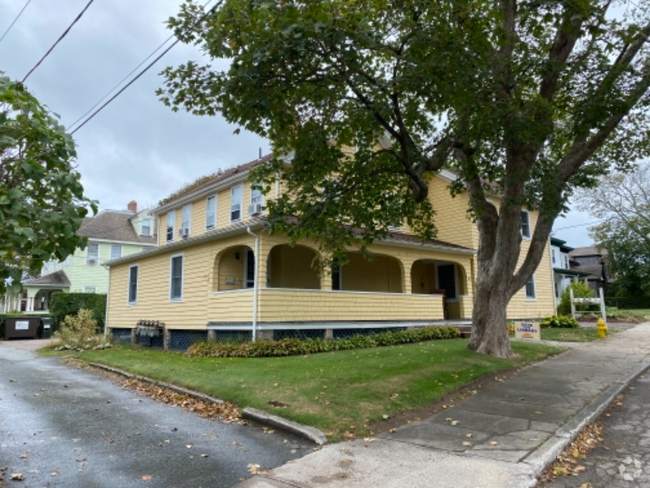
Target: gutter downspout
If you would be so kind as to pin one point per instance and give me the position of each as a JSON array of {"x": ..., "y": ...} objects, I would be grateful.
[
  {"x": 256, "y": 286},
  {"x": 108, "y": 294}
]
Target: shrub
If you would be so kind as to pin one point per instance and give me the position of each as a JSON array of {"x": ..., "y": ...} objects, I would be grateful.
[
  {"x": 298, "y": 347},
  {"x": 79, "y": 332},
  {"x": 63, "y": 304},
  {"x": 559, "y": 322},
  {"x": 629, "y": 303},
  {"x": 580, "y": 290}
]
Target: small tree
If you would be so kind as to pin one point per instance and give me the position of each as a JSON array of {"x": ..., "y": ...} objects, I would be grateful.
[
  {"x": 42, "y": 204},
  {"x": 622, "y": 201},
  {"x": 580, "y": 290}
]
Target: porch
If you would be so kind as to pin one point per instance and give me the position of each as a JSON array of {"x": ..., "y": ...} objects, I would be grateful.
[{"x": 396, "y": 285}]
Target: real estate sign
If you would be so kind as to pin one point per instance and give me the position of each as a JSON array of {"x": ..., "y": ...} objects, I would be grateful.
[{"x": 527, "y": 330}]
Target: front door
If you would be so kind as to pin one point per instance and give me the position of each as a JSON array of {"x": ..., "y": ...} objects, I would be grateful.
[{"x": 447, "y": 280}]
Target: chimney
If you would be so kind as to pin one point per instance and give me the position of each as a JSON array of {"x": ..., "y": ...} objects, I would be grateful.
[{"x": 132, "y": 206}]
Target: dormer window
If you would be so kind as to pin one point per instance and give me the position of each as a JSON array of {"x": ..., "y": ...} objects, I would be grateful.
[{"x": 146, "y": 227}]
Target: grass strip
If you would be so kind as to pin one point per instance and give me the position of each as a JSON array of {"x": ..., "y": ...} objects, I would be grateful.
[{"x": 339, "y": 392}]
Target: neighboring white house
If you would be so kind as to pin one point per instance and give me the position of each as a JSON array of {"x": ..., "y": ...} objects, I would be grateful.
[{"x": 563, "y": 275}]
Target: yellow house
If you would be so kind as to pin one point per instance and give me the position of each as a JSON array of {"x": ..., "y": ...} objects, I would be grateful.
[{"x": 217, "y": 274}]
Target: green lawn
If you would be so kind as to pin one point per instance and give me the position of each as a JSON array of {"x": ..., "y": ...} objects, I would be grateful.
[
  {"x": 635, "y": 315},
  {"x": 338, "y": 391},
  {"x": 571, "y": 335}
]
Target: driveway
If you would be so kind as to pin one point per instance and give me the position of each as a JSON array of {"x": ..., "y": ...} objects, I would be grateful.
[{"x": 65, "y": 427}]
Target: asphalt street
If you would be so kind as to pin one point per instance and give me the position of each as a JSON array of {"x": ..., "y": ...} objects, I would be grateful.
[
  {"x": 623, "y": 459},
  {"x": 65, "y": 427}
]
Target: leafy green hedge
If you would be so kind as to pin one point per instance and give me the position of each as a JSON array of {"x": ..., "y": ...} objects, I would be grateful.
[
  {"x": 628, "y": 303},
  {"x": 297, "y": 347},
  {"x": 63, "y": 303},
  {"x": 559, "y": 322}
]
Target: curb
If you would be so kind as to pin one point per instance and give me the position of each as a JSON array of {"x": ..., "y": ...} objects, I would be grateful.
[
  {"x": 262, "y": 417},
  {"x": 305, "y": 431},
  {"x": 544, "y": 455}
]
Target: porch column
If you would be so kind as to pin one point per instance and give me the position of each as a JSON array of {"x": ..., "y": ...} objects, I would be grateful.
[
  {"x": 406, "y": 276},
  {"x": 326, "y": 279},
  {"x": 263, "y": 260},
  {"x": 31, "y": 298}
]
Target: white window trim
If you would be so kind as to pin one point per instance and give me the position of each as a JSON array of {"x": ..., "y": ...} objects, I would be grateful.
[
  {"x": 171, "y": 260},
  {"x": 173, "y": 226},
  {"x": 533, "y": 298},
  {"x": 142, "y": 226},
  {"x": 87, "y": 289},
  {"x": 189, "y": 218},
  {"x": 121, "y": 251},
  {"x": 241, "y": 203},
  {"x": 137, "y": 286},
  {"x": 207, "y": 204},
  {"x": 449, "y": 300},
  {"x": 88, "y": 256},
  {"x": 530, "y": 229}
]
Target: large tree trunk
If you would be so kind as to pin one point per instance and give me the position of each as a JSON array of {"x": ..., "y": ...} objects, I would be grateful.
[{"x": 489, "y": 331}]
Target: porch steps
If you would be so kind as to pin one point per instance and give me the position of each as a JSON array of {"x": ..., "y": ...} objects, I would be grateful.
[{"x": 465, "y": 330}]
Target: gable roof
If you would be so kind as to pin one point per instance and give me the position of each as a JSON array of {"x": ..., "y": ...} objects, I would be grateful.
[
  {"x": 58, "y": 278},
  {"x": 112, "y": 225}
]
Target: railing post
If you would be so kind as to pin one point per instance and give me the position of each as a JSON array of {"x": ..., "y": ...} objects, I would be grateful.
[{"x": 573, "y": 306}]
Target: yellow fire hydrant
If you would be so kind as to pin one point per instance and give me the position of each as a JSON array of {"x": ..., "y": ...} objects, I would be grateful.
[{"x": 602, "y": 328}]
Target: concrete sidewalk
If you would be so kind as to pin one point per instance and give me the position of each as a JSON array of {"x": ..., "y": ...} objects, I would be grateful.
[{"x": 503, "y": 436}]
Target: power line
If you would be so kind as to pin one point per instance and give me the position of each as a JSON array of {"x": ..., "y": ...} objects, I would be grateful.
[
  {"x": 212, "y": 9},
  {"x": 58, "y": 40},
  {"x": 580, "y": 225},
  {"x": 15, "y": 20},
  {"x": 121, "y": 81},
  {"x": 127, "y": 76}
]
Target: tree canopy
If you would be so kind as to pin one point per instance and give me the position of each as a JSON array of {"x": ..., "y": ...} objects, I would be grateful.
[
  {"x": 622, "y": 201},
  {"x": 526, "y": 99},
  {"x": 42, "y": 204}
]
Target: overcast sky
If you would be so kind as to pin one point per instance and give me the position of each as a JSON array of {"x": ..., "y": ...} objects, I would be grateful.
[{"x": 136, "y": 148}]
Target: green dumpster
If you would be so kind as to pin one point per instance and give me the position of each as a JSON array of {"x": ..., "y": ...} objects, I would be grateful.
[{"x": 46, "y": 332}]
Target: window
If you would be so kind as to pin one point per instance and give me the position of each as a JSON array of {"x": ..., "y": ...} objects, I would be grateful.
[
  {"x": 525, "y": 224},
  {"x": 211, "y": 213},
  {"x": 566, "y": 262},
  {"x": 257, "y": 199},
  {"x": 185, "y": 224},
  {"x": 530, "y": 288},
  {"x": 146, "y": 227},
  {"x": 235, "y": 203},
  {"x": 249, "y": 271},
  {"x": 133, "y": 283},
  {"x": 90, "y": 289},
  {"x": 553, "y": 251},
  {"x": 176, "y": 278},
  {"x": 116, "y": 251},
  {"x": 171, "y": 225},
  {"x": 92, "y": 254}
]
